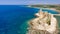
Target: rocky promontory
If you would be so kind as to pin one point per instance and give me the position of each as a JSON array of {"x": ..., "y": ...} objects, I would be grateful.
[{"x": 44, "y": 23}]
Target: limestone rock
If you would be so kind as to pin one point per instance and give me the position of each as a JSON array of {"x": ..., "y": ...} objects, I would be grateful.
[{"x": 45, "y": 23}]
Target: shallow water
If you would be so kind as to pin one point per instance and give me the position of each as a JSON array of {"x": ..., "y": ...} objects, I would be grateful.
[
  {"x": 58, "y": 21},
  {"x": 14, "y": 18}
]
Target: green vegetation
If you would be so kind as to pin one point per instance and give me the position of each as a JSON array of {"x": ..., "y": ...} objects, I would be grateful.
[{"x": 47, "y": 6}]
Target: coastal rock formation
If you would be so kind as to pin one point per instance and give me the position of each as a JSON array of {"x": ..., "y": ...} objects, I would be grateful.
[{"x": 44, "y": 23}]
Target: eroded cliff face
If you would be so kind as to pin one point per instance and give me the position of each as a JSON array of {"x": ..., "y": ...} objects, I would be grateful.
[{"x": 45, "y": 23}]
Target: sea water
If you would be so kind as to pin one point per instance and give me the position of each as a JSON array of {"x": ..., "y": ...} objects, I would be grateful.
[{"x": 14, "y": 18}]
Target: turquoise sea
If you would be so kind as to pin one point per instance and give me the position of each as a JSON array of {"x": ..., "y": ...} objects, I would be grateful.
[{"x": 14, "y": 18}]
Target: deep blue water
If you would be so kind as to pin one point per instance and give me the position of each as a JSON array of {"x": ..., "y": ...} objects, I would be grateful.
[{"x": 13, "y": 18}]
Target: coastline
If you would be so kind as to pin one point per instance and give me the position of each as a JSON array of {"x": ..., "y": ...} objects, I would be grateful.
[
  {"x": 46, "y": 8},
  {"x": 54, "y": 9},
  {"x": 42, "y": 28}
]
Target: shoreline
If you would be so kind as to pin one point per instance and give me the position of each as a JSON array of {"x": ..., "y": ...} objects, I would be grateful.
[
  {"x": 46, "y": 8},
  {"x": 54, "y": 9}
]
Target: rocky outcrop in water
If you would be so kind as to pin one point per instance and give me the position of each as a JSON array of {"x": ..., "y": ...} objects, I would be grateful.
[{"x": 44, "y": 23}]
